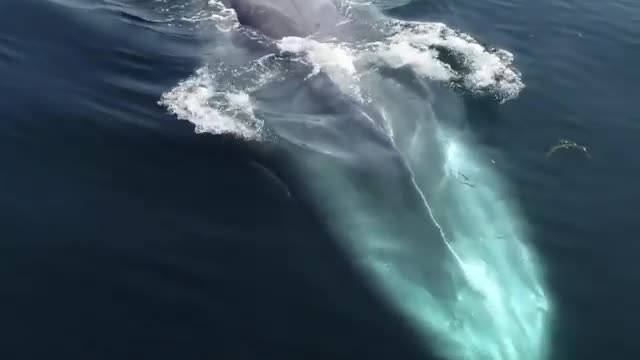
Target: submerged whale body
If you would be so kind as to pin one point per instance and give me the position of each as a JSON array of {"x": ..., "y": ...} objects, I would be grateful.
[
  {"x": 420, "y": 211},
  {"x": 351, "y": 151}
]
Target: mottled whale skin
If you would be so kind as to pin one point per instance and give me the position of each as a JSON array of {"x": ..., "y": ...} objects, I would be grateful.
[{"x": 281, "y": 18}]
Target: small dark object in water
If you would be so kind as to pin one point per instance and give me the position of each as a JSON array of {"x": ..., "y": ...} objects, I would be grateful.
[{"x": 465, "y": 180}]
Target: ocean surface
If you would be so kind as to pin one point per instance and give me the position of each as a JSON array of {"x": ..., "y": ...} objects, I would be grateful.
[{"x": 452, "y": 180}]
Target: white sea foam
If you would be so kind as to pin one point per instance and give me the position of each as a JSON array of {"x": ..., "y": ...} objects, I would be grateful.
[
  {"x": 483, "y": 70},
  {"x": 335, "y": 59},
  {"x": 218, "y": 112},
  {"x": 421, "y": 47}
]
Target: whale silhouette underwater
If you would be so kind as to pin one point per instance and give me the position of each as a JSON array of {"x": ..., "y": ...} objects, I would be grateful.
[{"x": 382, "y": 151}]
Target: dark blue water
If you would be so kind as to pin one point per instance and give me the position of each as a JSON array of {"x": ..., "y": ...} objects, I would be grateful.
[{"x": 123, "y": 234}]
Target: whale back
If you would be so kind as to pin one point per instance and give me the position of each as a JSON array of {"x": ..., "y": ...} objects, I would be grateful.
[{"x": 281, "y": 18}]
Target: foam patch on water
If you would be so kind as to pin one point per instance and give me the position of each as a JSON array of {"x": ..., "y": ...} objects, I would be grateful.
[
  {"x": 223, "y": 111},
  {"x": 423, "y": 47},
  {"x": 335, "y": 59},
  {"x": 482, "y": 70}
]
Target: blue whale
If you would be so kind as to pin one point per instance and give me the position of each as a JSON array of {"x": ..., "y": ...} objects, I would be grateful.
[{"x": 418, "y": 209}]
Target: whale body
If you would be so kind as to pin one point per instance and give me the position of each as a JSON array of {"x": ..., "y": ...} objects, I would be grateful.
[
  {"x": 351, "y": 154},
  {"x": 420, "y": 211}
]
